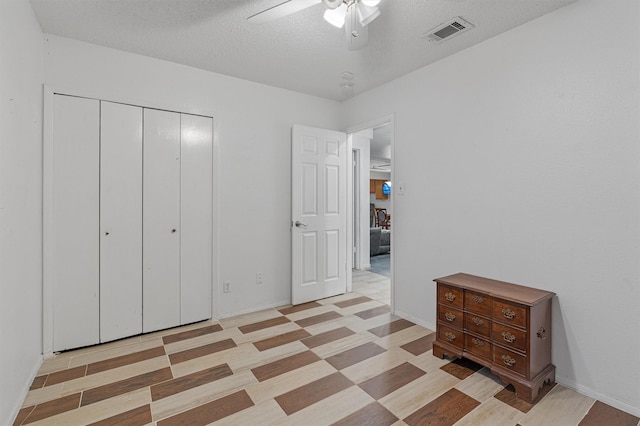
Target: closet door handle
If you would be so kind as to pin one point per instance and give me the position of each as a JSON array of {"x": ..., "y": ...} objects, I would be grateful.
[{"x": 173, "y": 231}]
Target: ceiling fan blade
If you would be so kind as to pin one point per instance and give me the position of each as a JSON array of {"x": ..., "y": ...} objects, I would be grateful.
[{"x": 280, "y": 10}]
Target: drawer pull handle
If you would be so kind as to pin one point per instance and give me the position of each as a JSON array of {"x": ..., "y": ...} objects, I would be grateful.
[
  {"x": 508, "y": 337},
  {"x": 449, "y": 316},
  {"x": 508, "y": 360},
  {"x": 450, "y": 336},
  {"x": 542, "y": 333},
  {"x": 508, "y": 313},
  {"x": 450, "y": 297},
  {"x": 477, "y": 321},
  {"x": 477, "y": 342},
  {"x": 477, "y": 299}
]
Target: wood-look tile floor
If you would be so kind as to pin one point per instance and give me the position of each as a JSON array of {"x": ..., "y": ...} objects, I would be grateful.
[
  {"x": 370, "y": 284},
  {"x": 343, "y": 361}
]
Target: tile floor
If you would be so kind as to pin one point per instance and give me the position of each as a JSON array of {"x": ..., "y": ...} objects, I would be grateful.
[
  {"x": 344, "y": 360},
  {"x": 373, "y": 285}
]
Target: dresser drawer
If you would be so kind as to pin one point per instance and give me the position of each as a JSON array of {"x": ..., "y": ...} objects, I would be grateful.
[
  {"x": 450, "y": 296},
  {"x": 509, "y": 336},
  {"x": 510, "y": 313},
  {"x": 510, "y": 360},
  {"x": 477, "y": 324},
  {"x": 451, "y": 335},
  {"x": 478, "y": 302},
  {"x": 478, "y": 346},
  {"x": 450, "y": 316}
]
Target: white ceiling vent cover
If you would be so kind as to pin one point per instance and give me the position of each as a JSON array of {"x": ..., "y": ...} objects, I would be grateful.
[{"x": 448, "y": 30}]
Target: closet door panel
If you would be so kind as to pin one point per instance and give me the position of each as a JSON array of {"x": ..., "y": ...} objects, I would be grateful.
[
  {"x": 75, "y": 230},
  {"x": 120, "y": 221},
  {"x": 161, "y": 220},
  {"x": 196, "y": 218}
]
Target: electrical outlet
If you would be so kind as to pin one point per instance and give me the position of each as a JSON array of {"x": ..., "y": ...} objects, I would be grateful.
[
  {"x": 259, "y": 278},
  {"x": 227, "y": 287}
]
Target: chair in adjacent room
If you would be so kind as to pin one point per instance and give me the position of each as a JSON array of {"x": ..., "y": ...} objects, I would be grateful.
[{"x": 383, "y": 220}]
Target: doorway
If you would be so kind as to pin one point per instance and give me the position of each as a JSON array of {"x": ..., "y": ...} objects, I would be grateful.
[{"x": 373, "y": 210}]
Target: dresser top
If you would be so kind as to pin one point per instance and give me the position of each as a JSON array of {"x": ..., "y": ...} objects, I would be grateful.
[{"x": 500, "y": 289}]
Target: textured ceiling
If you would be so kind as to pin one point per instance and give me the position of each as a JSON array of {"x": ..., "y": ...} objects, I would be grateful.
[{"x": 300, "y": 52}]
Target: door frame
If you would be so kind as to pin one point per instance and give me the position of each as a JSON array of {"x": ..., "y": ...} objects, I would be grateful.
[
  {"x": 355, "y": 219},
  {"x": 350, "y": 130},
  {"x": 47, "y": 193}
]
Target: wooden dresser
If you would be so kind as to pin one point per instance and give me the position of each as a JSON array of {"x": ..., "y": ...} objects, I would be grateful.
[{"x": 505, "y": 327}]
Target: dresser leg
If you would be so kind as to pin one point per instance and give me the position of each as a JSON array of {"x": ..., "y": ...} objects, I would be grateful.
[
  {"x": 438, "y": 351},
  {"x": 530, "y": 390}
]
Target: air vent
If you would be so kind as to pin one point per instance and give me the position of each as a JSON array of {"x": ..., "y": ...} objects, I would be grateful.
[{"x": 447, "y": 30}]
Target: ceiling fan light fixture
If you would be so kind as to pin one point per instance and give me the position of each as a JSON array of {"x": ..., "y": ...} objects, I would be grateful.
[
  {"x": 366, "y": 14},
  {"x": 370, "y": 3},
  {"x": 336, "y": 17}
]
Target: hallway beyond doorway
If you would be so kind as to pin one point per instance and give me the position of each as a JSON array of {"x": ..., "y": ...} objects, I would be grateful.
[{"x": 381, "y": 264}]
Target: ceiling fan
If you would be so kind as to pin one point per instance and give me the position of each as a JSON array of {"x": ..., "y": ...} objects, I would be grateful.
[{"x": 353, "y": 15}]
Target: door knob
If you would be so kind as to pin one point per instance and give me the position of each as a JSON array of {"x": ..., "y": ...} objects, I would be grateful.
[
  {"x": 173, "y": 231},
  {"x": 300, "y": 224}
]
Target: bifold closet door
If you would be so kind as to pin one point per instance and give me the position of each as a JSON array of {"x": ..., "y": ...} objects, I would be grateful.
[
  {"x": 120, "y": 221},
  {"x": 196, "y": 218},
  {"x": 74, "y": 225},
  {"x": 161, "y": 220}
]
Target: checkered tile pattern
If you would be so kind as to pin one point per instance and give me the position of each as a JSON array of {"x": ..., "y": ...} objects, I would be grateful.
[{"x": 344, "y": 360}]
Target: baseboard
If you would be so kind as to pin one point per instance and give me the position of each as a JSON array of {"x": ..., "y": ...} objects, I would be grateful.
[
  {"x": 25, "y": 390},
  {"x": 415, "y": 320},
  {"x": 597, "y": 395},
  {"x": 252, "y": 310}
]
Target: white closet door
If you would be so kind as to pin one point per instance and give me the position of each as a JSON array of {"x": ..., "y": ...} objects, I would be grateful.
[
  {"x": 161, "y": 220},
  {"x": 196, "y": 218},
  {"x": 74, "y": 233},
  {"x": 120, "y": 221}
]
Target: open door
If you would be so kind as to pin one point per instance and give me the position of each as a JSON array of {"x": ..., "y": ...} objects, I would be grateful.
[{"x": 318, "y": 214}]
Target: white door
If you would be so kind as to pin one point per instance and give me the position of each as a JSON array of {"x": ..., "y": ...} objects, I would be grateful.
[
  {"x": 120, "y": 221},
  {"x": 318, "y": 213},
  {"x": 196, "y": 218},
  {"x": 72, "y": 231},
  {"x": 161, "y": 220}
]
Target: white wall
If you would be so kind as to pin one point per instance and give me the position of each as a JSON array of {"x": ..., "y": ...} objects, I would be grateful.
[
  {"x": 21, "y": 75},
  {"x": 252, "y": 132},
  {"x": 520, "y": 159},
  {"x": 375, "y": 174}
]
